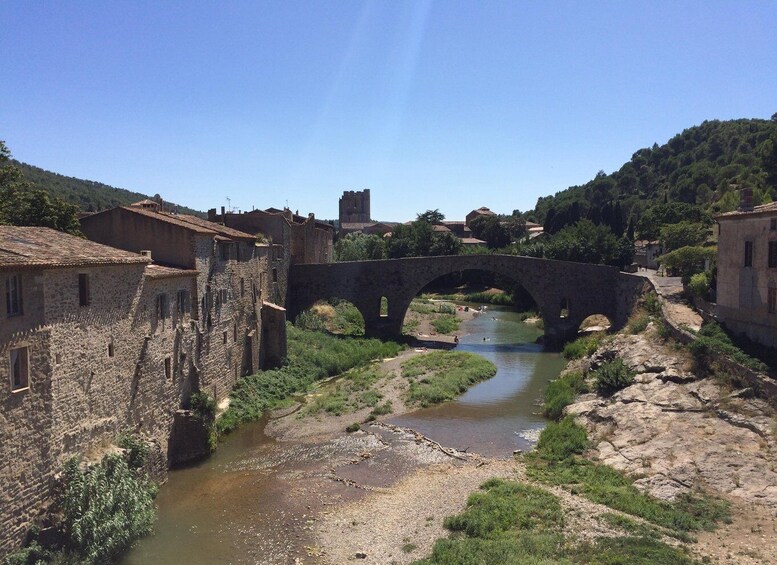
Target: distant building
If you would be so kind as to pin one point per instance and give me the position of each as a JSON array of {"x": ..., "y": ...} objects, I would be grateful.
[
  {"x": 646, "y": 253},
  {"x": 355, "y": 206},
  {"x": 304, "y": 239},
  {"x": 747, "y": 270},
  {"x": 482, "y": 211},
  {"x": 367, "y": 228}
]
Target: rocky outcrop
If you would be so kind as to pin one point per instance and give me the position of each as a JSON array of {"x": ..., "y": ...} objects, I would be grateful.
[{"x": 677, "y": 430}]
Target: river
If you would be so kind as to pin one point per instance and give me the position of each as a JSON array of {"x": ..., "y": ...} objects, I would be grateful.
[{"x": 252, "y": 501}]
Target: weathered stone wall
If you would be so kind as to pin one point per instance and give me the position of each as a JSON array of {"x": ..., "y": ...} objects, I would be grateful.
[
  {"x": 584, "y": 289},
  {"x": 355, "y": 206}
]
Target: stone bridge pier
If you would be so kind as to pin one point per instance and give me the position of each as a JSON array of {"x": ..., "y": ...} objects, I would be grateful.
[{"x": 565, "y": 292}]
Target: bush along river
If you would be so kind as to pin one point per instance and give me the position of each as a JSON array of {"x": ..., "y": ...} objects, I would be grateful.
[{"x": 294, "y": 487}]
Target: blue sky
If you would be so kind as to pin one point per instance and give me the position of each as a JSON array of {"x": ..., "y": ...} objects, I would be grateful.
[{"x": 451, "y": 105}]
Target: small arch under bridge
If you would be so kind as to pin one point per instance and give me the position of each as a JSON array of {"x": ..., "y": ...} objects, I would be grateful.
[{"x": 565, "y": 292}]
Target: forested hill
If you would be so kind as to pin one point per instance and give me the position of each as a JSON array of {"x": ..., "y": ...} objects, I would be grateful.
[
  {"x": 89, "y": 196},
  {"x": 703, "y": 166}
]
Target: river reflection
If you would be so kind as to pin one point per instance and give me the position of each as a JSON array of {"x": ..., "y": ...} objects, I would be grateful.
[{"x": 499, "y": 415}]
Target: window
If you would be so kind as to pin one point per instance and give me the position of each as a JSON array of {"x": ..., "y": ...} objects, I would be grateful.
[
  {"x": 183, "y": 302},
  {"x": 242, "y": 287},
  {"x": 111, "y": 350},
  {"x": 20, "y": 376},
  {"x": 564, "y": 308},
  {"x": 773, "y": 224},
  {"x": 84, "y": 296},
  {"x": 13, "y": 295},
  {"x": 773, "y": 253},
  {"x": 274, "y": 274},
  {"x": 168, "y": 368},
  {"x": 225, "y": 337},
  {"x": 234, "y": 333},
  {"x": 748, "y": 254},
  {"x": 773, "y": 301},
  {"x": 224, "y": 295},
  {"x": 163, "y": 307},
  {"x": 224, "y": 248}
]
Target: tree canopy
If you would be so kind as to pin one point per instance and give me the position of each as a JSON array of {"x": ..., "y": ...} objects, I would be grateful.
[{"x": 20, "y": 205}]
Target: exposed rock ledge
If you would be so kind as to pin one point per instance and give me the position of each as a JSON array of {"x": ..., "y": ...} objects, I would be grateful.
[{"x": 676, "y": 430}]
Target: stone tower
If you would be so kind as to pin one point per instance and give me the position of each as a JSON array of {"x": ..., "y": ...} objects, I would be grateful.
[{"x": 355, "y": 206}]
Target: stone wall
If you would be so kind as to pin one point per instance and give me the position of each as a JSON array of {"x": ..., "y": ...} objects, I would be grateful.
[{"x": 354, "y": 206}]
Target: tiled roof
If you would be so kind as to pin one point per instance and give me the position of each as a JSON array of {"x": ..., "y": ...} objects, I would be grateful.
[
  {"x": 472, "y": 241},
  {"x": 156, "y": 271},
  {"x": 223, "y": 230},
  {"x": 771, "y": 207},
  {"x": 168, "y": 218},
  {"x": 45, "y": 247}
]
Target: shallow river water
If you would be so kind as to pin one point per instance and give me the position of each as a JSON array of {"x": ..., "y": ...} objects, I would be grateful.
[{"x": 252, "y": 501}]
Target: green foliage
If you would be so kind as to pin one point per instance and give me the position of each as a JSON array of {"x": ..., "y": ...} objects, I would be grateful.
[
  {"x": 687, "y": 261},
  {"x": 20, "y": 205},
  {"x": 312, "y": 356},
  {"x": 136, "y": 449},
  {"x": 86, "y": 195},
  {"x": 355, "y": 427},
  {"x": 586, "y": 242},
  {"x": 382, "y": 409},
  {"x": 693, "y": 176},
  {"x": 612, "y": 376},
  {"x": 652, "y": 304},
  {"x": 443, "y": 375},
  {"x": 351, "y": 392},
  {"x": 431, "y": 217},
  {"x": 420, "y": 240},
  {"x": 582, "y": 346},
  {"x": 661, "y": 215},
  {"x": 561, "y": 440},
  {"x": 683, "y": 234},
  {"x": 713, "y": 339},
  {"x": 105, "y": 508},
  {"x": 561, "y": 392},
  {"x": 699, "y": 285},
  {"x": 360, "y": 247},
  {"x": 203, "y": 405},
  {"x": 505, "y": 505},
  {"x": 491, "y": 230},
  {"x": 445, "y": 324},
  {"x": 638, "y": 323},
  {"x": 335, "y": 316},
  {"x": 631, "y": 550}
]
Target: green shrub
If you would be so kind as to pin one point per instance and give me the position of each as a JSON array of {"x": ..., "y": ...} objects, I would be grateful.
[
  {"x": 652, "y": 303},
  {"x": 561, "y": 440},
  {"x": 638, "y": 324},
  {"x": 503, "y": 505},
  {"x": 383, "y": 409},
  {"x": 136, "y": 449},
  {"x": 699, "y": 284},
  {"x": 203, "y": 405},
  {"x": 355, "y": 427},
  {"x": 612, "y": 376},
  {"x": 582, "y": 347},
  {"x": 713, "y": 339},
  {"x": 105, "y": 508},
  {"x": 561, "y": 392},
  {"x": 445, "y": 324}
]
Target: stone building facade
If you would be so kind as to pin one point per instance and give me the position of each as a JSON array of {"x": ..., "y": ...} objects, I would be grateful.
[
  {"x": 355, "y": 206},
  {"x": 747, "y": 271},
  {"x": 95, "y": 340},
  {"x": 303, "y": 239}
]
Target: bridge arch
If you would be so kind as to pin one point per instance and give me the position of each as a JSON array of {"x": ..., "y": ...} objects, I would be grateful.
[{"x": 587, "y": 289}]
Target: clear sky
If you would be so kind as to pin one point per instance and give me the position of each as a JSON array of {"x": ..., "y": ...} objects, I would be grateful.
[{"x": 449, "y": 104}]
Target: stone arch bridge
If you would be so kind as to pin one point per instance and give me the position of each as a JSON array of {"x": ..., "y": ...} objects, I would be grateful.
[{"x": 576, "y": 290}]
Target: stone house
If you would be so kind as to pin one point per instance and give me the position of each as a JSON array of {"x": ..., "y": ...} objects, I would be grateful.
[
  {"x": 303, "y": 239},
  {"x": 67, "y": 356},
  {"x": 235, "y": 277},
  {"x": 747, "y": 270},
  {"x": 646, "y": 253},
  {"x": 482, "y": 211}
]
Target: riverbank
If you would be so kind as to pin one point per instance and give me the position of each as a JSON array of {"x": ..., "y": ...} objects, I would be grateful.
[{"x": 676, "y": 434}]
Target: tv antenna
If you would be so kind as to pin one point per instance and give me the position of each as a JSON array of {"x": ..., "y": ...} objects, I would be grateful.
[{"x": 229, "y": 204}]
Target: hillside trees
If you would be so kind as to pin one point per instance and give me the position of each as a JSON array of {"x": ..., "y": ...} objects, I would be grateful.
[
  {"x": 360, "y": 247},
  {"x": 491, "y": 230},
  {"x": 418, "y": 239},
  {"x": 20, "y": 205}
]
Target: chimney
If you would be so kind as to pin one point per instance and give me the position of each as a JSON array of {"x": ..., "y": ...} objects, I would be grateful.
[
  {"x": 746, "y": 200},
  {"x": 146, "y": 253},
  {"x": 211, "y": 214},
  {"x": 222, "y": 212}
]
